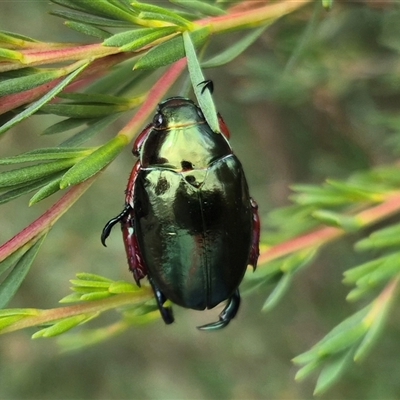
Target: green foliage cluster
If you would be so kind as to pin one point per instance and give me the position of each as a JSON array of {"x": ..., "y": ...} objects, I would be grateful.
[{"x": 144, "y": 37}]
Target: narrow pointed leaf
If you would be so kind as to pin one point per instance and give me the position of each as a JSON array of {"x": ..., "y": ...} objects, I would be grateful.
[
  {"x": 11, "y": 260},
  {"x": 71, "y": 298},
  {"x": 332, "y": 372},
  {"x": 90, "y": 284},
  {"x": 92, "y": 164},
  {"x": 298, "y": 260},
  {"x": 181, "y": 22},
  {"x": 102, "y": 8},
  {"x": 46, "y": 154},
  {"x": 27, "y": 188},
  {"x": 24, "y": 83},
  {"x": 31, "y": 173},
  {"x": 388, "y": 237},
  {"x": 88, "y": 30},
  {"x": 83, "y": 110},
  {"x": 354, "y": 274},
  {"x": 60, "y": 327},
  {"x": 71, "y": 4},
  {"x": 142, "y": 41},
  {"x": 10, "y": 285},
  {"x": 98, "y": 295},
  {"x": 86, "y": 276},
  {"x": 92, "y": 130},
  {"x": 42, "y": 101},
  {"x": 279, "y": 291},
  {"x": 123, "y": 38},
  {"x": 90, "y": 19},
  {"x": 330, "y": 218},
  {"x": 66, "y": 125},
  {"x": 46, "y": 191},
  {"x": 307, "y": 370},
  {"x": 234, "y": 50},
  {"x": 122, "y": 287},
  {"x": 171, "y": 51},
  {"x": 7, "y": 321},
  {"x": 15, "y": 38},
  {"x": 204, "y": 97},
  {"x": 343, "y": 335},
  {"x": 150, "y": 11},
  {"x": 6, "y": 54},
  {"x": 201, "y": 7},
  {"x": 95, "y": 98},
  {"x": 376, "y": 320}
]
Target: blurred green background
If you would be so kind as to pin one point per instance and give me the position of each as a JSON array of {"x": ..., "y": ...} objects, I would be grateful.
[{"x": 317, "y": 96}]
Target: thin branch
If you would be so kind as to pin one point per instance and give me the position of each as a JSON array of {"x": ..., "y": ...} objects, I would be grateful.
[{"x": 321, "y": 236}]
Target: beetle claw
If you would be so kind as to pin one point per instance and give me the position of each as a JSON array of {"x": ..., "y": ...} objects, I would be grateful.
[
  {"x": 207, "y": 84},
  {"x": 227, "y": 314}
]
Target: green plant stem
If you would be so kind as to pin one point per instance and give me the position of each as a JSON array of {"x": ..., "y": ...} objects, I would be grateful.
[
  {"x": 52, "y": 315},
  {"x": 324, "y": 235}
]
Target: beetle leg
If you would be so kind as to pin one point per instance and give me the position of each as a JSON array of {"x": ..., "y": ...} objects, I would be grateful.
[
  {"x": 135, "y": 261},
  {"x": 166, "y": 312},
  {"x": 110, "y": 224},
  {"x": 133, "y": 254},
  {"x": 227, "y": 314},
  {"x": 255, "y": 247},
  {"x": 207, "y": 84}
]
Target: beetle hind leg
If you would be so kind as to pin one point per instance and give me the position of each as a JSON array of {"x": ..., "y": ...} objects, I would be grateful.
[
  {"x": 166, "y": 312},
  {"x": 227, "y": 314}
]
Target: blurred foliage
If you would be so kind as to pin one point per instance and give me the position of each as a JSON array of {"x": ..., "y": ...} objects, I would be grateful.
[{"x": 313, "y": 100}]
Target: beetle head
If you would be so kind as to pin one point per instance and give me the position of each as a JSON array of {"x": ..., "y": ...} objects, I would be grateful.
[{"x": 177, "y": 112}]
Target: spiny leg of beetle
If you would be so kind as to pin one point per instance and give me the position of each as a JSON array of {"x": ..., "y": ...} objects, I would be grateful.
[
  {"x": 166, "y": 312},
  {"x": 227, "y": 314}
]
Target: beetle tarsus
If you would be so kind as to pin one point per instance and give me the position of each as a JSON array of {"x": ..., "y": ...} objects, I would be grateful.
[
  {"x": 110, "y": 224},
  {"x": 207, "y": 84},
  {"x": 166, "y": 312},
  {"x": 227, "y": 314}
]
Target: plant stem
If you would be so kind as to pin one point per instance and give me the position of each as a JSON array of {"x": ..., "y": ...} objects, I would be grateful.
[
  {"x": 321, "y": 236},
  {"x": 52, "y": 315},
  {"x": 254, "y": 17},
  {"x": 44, "y": 222}
]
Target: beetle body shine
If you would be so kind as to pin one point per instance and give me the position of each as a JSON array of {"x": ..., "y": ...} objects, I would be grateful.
[{"x": 189, "y": 222}]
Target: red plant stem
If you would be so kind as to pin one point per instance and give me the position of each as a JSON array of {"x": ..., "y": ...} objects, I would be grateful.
[
  {"x": 98, "y": 67},
  {"x": 33, "y": 57},
  {"x": 45, "y": 221},
  {"x": 253, "y": 17},
  {"x": 156, "y": 93},
  {"x": 321, "y": 236},
  {"x": 47, "y": 316}
]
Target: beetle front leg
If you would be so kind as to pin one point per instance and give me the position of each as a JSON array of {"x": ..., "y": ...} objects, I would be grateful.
[
  {"x": 227, "y": 314},
  {"x": 126, "y": 218},
  {"x": 133, "y": 254},
  {"x": 166, "y": 312}
]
